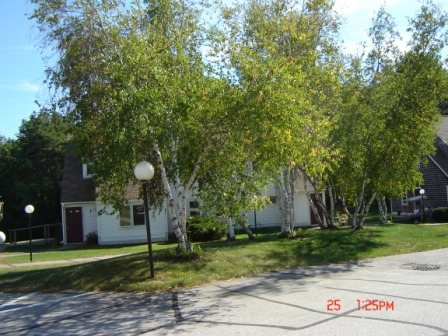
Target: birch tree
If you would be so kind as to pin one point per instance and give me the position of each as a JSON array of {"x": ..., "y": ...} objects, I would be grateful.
[
  {"x": 131, "y": 77},
  {"x": 389, "y": 116},
  {"x": 284, "y": 58}
]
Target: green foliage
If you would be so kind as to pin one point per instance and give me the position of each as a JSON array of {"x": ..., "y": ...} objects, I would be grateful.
[
  {"x": 275, "y": 93},
  {"x": 91, "y": 238},
  {"x": 388, "y": 117},
  {"x": 283, "y": 57},
  {"x": 440, "y": 215},
  {"x": 176, "y": 255},
  {"x": 31, "y": 169},
  {"x": 205, "y": 228},
  {"x": 282, "y": 51}
]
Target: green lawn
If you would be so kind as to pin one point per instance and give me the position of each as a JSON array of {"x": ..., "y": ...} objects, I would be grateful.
[{"x": 221, "y": 260}]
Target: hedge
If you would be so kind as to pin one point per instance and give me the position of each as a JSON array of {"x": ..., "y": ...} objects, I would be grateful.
[
  {"x": 440, "y": 215},
  {"x": 205, "y": 228}
]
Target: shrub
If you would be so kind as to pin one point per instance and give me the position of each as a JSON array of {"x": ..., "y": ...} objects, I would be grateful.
[
  {"x": 296, "y": 233},
  {"x": 175, "y": 255},
  {"x": 440, "y": 215},
  {"x": 205, "y": 228},
  {"x": 91, "y": 238}
]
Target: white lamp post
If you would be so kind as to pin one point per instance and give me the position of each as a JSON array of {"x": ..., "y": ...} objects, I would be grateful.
[
  {"x": 29, "y": 209},
  {"x": 422, "y": 192},
  {"x": 144, "y": 171}
]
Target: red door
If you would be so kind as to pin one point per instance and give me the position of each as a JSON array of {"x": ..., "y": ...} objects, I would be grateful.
[{"x": 73, "y": 220}]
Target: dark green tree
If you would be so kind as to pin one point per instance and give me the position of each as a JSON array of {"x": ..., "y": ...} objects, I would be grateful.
[{"x": 31, "y": 169}]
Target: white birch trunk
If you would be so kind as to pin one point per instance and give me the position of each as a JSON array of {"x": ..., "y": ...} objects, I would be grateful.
[
  {"x": 180, "y": 201},
  {"x": 171, "y": 204},
  {"x": 366, "y": 210},
  {"x": 310, "y": 201},
  {"x": 360, "y": 204},
  {"x": 283, "y": 190},
  {"x": 289, "y": 185},
  {"x": 280, "y": 203},
  {"x": 248, "y": 231},
  {"x": 230, "y": 230},
  {"x": 182, "y": 192},
  {"x": 382, "y": 207},
  {"x": 331, "y": 197}
]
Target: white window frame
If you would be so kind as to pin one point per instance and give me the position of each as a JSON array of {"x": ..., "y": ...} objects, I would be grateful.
[
  {"x": 195, "y": 209},
  {"x": 85, "y": 170},
  {"x": 130, "y": 215},
  {"x": 404, "y": 199}
]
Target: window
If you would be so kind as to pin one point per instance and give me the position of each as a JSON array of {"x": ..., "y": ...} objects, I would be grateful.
[
  {"x": 87, "y": 170},
  {"x": 138, "y": 212},
  {"x": 404, "y": 200},
  {"x": 273, "y": 199},
  {"x": 132, "y": 215},
  {"x": 194, "y": 208},
  {"x": 125, "y": 216}
]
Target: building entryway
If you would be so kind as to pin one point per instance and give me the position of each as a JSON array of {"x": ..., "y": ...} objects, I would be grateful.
[{"x": 73, "y": 220}]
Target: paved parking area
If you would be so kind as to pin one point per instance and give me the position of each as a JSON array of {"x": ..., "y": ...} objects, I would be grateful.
[{"x": 399, "y": 295}]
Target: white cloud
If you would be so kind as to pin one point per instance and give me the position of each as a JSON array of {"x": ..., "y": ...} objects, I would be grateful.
[
  {"x": 18, "y": 48},
  {"x": 24, "y": 86},
  {"x": 28, "y": 86},
  {"x": 358, "y": 15},
  {"x": 351, "y": 7}
]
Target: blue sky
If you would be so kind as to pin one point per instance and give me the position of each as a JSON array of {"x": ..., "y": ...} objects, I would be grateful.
[{"x": 22, "y": 67}]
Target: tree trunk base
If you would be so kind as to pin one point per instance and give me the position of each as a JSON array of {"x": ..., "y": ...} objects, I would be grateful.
[
  {"x": 329, "y": 227},
  {"x": 286, "y": 234},
  {"x": 230, "y": 238},
  {"x": 248, "y": 232}
]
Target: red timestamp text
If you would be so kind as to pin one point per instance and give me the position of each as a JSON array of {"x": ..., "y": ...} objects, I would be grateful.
[
  {"x": 375, "y": 305},
  {"x": 367, "y": 305},
  {"x": 333, "y": 305}
]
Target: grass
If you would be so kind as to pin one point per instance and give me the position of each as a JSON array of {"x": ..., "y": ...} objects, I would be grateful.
[
  {"x": 17, "y": 254},
  {"x": 221, "y": 260}
]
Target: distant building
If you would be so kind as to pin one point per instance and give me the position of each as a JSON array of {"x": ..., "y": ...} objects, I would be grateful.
[{"x": 435, "y": 176}]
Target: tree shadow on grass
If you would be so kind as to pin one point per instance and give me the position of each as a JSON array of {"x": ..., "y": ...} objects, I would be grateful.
[
  {"x": 336, "y": 247},
  {"x": 107, "y": 274},
  {"x": 320, "y": 253},
  {"x": 131, "y": 272},
  {"x": 327, "y": 247}
]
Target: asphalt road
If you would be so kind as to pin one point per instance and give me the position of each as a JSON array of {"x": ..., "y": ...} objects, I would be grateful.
[{"x": 400, "y": 295}]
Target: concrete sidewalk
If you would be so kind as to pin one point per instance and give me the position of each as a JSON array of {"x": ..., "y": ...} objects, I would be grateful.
[
  {"x": 395, "y": 295},
  {"x": 54, "y": 262},
  {"x": 60, "y": 262}
]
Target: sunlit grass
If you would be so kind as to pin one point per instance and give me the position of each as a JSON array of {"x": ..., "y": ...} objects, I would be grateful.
[
  {"x": 16, "y": 254},
  {"x": 221, "y": 260}
]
